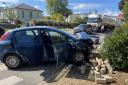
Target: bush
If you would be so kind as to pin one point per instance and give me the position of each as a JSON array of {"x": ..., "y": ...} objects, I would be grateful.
[
  {"x": 115, "y": 48},
  {"x": 56, "y": 23}
]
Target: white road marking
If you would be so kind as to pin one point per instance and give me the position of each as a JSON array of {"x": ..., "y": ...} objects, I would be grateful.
[{"x": 12, "y": 80}]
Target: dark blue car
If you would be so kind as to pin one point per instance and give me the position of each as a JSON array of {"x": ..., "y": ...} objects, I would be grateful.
[{"x": 34, "y": 45}]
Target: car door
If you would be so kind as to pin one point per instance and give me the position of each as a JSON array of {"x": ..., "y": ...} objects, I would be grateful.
[
  {"x": 29, "y": 46},
  {"x": 60, "y": 45}
]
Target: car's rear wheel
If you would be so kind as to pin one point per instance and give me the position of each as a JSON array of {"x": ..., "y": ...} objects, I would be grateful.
[
  {"x": 79, "y": 58},
  {"x": 12, "y": 61}
]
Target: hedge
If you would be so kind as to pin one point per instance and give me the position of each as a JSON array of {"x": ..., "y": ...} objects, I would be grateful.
[
  {"x": 115, "y": 48},
  {"x": 57, "y": 24},
  {"x": 9, "y": 26}
]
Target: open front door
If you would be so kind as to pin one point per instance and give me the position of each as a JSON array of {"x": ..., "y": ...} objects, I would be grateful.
[{"x": 60, "y": 47}]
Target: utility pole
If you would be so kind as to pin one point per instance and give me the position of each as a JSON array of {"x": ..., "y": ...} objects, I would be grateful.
[{"x": 5, "y": 10}]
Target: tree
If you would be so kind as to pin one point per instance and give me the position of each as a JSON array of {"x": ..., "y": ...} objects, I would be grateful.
[
  {"x": 77, "y": 19},
  {"x": 125, "y": 10},
  {"x": 121, "y": 4},
  {"x": 10, "y": 14},
  {"x": 58, "y": 6},
  {"x": 57, "y": 17}
]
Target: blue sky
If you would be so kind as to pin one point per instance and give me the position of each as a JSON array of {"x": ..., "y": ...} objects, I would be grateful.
[{"x": 109, "y": 7}]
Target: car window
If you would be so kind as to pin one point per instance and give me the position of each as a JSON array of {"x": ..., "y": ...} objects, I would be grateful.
[
  {"x": 25, "y": 37},
  {"x": 36, "y": 32},
  {"x": 57, "y": 37}
]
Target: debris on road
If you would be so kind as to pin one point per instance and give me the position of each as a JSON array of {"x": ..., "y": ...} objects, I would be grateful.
[
  {"x": 108, "y": 78},
  {"x": 100, "y": 81},
  {"x": 63, "y": 72},
  {"x": 3, "y": 67},
  {"x": 126, "y": 82}
]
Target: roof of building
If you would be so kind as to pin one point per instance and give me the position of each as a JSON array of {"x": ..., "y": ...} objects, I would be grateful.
[{"x": 24, "y": 6}]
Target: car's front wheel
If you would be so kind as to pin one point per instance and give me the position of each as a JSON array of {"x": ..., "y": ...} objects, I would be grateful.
[
  {"x": 79, "y": 58},
  {"x": 12, "y": 61}
]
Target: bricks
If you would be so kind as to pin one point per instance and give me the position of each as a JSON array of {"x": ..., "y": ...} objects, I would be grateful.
[
  {"x": 100, "y": 81},
  {"x": 109, "y": 68},
  {"x": 91, "y": 75},
  {"x": 126, "y": 81},
  {"x": 97, "y": 74},
  {"x": 108, "y": 78},
  {"x": 3, "y": 67},
  {"x": 103, "y": 71}
]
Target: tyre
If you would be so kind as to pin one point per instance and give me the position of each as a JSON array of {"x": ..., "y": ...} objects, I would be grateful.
[
  {"x": 12, "y": 61},
  {"x": 78, "y": 58}
]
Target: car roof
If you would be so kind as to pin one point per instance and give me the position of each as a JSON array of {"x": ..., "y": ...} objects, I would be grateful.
[
  {"x": 42, "y": 27},
  {"x": 32, "y": 27}
]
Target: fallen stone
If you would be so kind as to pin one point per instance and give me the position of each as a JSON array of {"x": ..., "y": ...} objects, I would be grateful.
[
  {"x": 103, "y": 66},
  {"x": 109, "y": 68},
  {"x": 91, "y": 75},
  {"x": 126, "y": 82},
  {"x": 62, "y": 73},
  {"x": 97, "y": 74},
  {"x": 108, "y": 78},
  {"x": 96, "y": 68},
  {"x": 100, "y": 81},
  {"x": 92, "y": 68},
  {"x": 94, "y": 62},
  {"x": 99, "y": 61},
  {"x": 106, "y": 61},
  {"x": 103, "y": 71}
]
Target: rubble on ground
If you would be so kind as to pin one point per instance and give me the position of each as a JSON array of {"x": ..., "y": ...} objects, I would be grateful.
[
  {"x": 126, "y": 82},
  {"x": 99, "y": 71}
]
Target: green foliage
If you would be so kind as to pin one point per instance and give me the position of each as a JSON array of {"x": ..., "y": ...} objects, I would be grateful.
[
  {"x": 58, "y": 6},
  {"x": 47, "y": 18},
  {"x": 9, "y": 14},
  {"x": 125, "y": 10},
  {"x": 115, "y": 48},
  {"x": 59, "y": 24},
  {"x": 77, "y": 19},
  {"x": 121, "y": 4},
  {"x": 57, "y": 17}
]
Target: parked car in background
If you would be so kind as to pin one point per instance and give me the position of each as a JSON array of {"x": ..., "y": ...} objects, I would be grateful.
[
  {"x": 2, "y": 31},
  {"x": 83, "y": 27},
  {"x": 37, "y": 44}
]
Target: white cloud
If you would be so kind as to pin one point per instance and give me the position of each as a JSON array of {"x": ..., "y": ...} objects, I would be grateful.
[
  {"x": 9, "y": 1},
  {"x": 38, "y": 7},
  {"x": 41, "y": 0},
  {"x": 77, "y": 12},
  {"x": 111, "y": 13},
  {"x": 87, "y": 6}
]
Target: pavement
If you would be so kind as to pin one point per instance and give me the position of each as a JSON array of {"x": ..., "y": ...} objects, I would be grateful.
[
  {"x": 41, "y": 74},
  {"x": 27, "y": 75}
]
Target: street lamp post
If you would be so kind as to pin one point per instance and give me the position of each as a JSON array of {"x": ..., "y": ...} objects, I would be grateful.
[{"x": 5, "y": 10}]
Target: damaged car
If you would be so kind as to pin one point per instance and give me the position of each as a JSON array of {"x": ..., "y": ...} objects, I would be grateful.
[{"x": 38, "y": 44}]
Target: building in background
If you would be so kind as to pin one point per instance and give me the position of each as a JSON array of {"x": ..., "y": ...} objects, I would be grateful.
[
  {"x": 72, "y": 17},
  {"x": 22, "y": 12}
]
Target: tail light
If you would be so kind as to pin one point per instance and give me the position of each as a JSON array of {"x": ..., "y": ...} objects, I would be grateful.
[{"x": 4, "y": 36}]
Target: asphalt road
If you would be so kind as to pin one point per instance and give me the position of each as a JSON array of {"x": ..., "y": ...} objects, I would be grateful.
[
  {"x": 27, "y": 75},
  {"x": 31, "y": 75}
]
